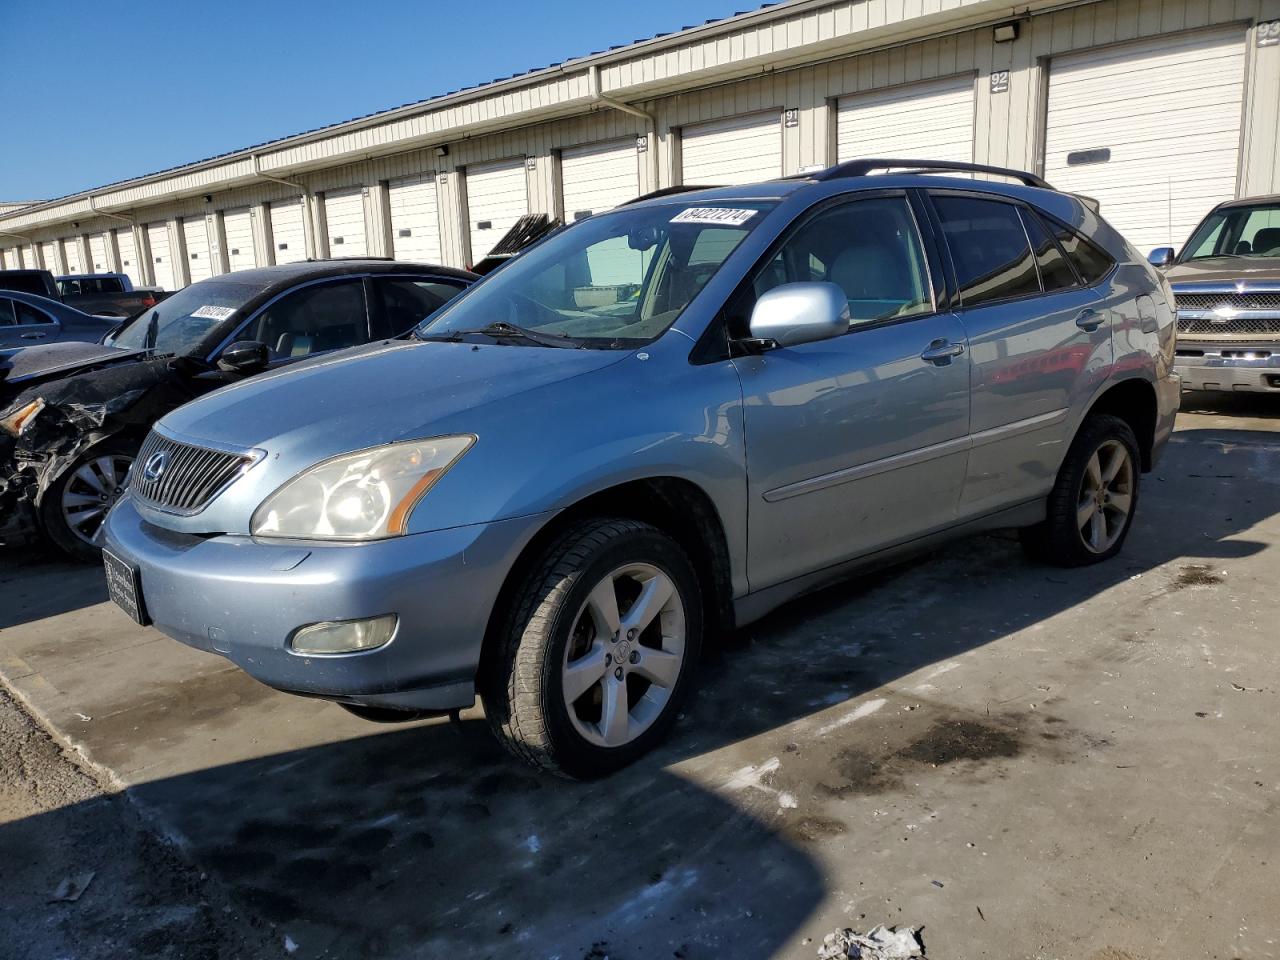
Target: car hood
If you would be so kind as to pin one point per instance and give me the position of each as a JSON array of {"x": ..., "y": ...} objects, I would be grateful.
[
  {"x": 1226, "y": 270},
  {"x": 372, "y": 395},
  {"x": 29, "y": 364}
]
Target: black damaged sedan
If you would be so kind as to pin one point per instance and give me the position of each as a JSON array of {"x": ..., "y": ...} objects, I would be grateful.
[{"x": 73, "y": 415}]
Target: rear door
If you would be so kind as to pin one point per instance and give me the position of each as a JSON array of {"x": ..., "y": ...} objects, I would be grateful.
[
  {"x": 857, "y": 442},
  {"x": 22, "y": 325},
  {"x": 400, "y": 303},
  {"x": 1039, "y": 341}
]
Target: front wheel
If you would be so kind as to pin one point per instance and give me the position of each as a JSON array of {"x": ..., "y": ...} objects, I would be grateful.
[
  {"x": 1091, "y": 506},
  {"x": 600, "y": 649},
  {"x": 76, "y": 502}
]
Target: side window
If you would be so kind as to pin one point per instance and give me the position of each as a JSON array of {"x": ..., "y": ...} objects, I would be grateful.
[
  {"x": 30, "y": 316},
  {"x": 869, "y": 248},
  {"x": 407, "y": 302},
  {"x": 7, "y": 318},
  {"x": 325, "y": 316},
  {"x": 1055, "y": 269},
  {"x": 1090, "y": 262},
  {"x": 989, "y": 248}
]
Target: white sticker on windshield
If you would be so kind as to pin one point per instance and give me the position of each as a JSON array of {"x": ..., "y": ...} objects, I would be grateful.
[
  {"x": 214, "y": 313},
  {"x": 724, "y": 216}
]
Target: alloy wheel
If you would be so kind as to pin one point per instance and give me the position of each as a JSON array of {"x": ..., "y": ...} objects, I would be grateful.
[
  {"x": 624, "y": 656},
  {"x": 1106, "y": 496},
  {"x": 92, "y": 489}
]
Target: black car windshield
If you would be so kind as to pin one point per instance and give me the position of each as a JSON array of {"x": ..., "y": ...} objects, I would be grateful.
[
  {"x": 1248, "y": 231},
  {"x": 185, "y": 322},
  {"x": 614, "y": 281}
]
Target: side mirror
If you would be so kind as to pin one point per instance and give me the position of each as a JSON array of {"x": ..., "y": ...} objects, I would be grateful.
[
  {"x": 244, "y": 356},
  {"x": 1160, "y": 257},
  {"x": 796, "y": 313}
]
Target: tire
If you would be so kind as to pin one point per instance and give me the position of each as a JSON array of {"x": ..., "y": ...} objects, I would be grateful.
[
  {"x": 559, "y": 634},
  {"x": 1070, "y": 535},
  {"x": 71, "y": 485}
]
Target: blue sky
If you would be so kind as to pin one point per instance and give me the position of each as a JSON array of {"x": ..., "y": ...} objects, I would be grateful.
[{"x": 100, "y": 92}]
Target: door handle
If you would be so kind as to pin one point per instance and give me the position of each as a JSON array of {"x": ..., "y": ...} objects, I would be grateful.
[
  {"x": 1090, "y": 319},
  {"x": 34, "y": 336},
  {"x": 941, "y": 351}
]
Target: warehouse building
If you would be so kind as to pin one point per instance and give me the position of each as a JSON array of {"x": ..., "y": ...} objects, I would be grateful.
[{"x": 1157, "y": 108}]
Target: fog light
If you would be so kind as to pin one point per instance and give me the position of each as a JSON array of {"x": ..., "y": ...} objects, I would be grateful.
[{"x": 344, "y": 636}]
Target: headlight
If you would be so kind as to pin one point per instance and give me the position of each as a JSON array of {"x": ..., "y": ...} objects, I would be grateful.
[
  {"x": 20, "y": 419},
  {"x": 359, "y": 496}
]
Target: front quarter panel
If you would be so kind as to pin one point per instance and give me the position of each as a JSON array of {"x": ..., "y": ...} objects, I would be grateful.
[{"x": 652, "y": 415}]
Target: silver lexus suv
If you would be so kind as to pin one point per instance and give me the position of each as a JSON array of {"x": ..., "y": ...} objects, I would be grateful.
[{"x": 652, "y": 427}]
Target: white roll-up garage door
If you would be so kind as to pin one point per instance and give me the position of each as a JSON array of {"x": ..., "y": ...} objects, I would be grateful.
[
  {"x": 101, "y": 263},
  {"x": 10, "y": 259},
  {"x": 161, "y": 259},
  {"x": 49, "y": 256},
  {"x": 344, "y": 217},
  {"x": 735, "y": 150},
  {"x": 1150, "y": 129},
  {"x": 922, "y": 121},
  {"x": 415, "y": 220},
  {"x": 195, "y": 234},
  {"x": 71, "y": 255},
  {"x": 599, "y": 177},
  {"x": 129, "y": 265},
  {"x": 237, "y": 227},
  {"x": 497, "y": 196},
  {"x": 288, "y": 235}
]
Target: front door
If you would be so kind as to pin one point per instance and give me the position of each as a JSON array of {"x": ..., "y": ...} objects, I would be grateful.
[{"x": 858, "y": 442}]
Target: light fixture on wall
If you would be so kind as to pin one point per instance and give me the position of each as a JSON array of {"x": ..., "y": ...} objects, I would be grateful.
[
  {"x": 442, "y": 150},
  {"x": 1005, "y": 32}
]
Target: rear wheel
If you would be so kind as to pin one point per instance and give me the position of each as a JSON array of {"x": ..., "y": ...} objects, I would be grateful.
[
  {"x": 75, "y": 504},
  {"x": 1091, "y": 506},
  {"x": 599, "y": 652}
]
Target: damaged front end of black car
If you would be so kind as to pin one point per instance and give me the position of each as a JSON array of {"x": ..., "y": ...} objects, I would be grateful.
[{"x": 71, "y": 421}]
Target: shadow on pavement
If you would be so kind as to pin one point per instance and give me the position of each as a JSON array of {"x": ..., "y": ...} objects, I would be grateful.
[
  {"x": 36, "y": 583},
  {"x": 428, "y": 841}
]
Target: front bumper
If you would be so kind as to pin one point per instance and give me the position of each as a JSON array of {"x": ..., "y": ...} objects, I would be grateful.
[
  {"x": 1259, "y": 373},
  {"x": 243, "y": 598}
]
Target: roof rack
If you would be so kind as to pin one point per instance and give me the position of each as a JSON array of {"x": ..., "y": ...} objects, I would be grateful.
[
  {"x": 860, "y": 168},
  {"x": 668, "y": 191}
]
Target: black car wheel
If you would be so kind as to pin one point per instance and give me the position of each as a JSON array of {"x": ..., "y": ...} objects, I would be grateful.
[{"x": 76, "y": 502}]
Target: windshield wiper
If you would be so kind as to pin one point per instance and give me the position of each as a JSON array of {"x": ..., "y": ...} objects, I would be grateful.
[
  {"x": 153, "y": 333},
  {"x": 501, "y": 330}
]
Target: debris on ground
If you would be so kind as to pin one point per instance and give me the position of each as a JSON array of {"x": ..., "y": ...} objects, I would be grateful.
[
  {"x": 71, "y": 888},
  {"x": 878, "y": 943}
]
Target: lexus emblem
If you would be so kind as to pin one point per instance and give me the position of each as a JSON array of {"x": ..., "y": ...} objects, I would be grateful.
[{"x": 153, "y": 469}]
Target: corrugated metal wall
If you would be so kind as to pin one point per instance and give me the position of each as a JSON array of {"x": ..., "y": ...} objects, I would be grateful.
[{"x": 803, "y": 62}]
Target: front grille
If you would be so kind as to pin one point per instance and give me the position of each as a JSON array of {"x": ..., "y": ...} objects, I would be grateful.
[
  {"x": 1229, "y": 314},
  {"x": 1230, "y": 326},
  {"x": 189, "y": 476},
  {"x": 1241, "y": 301}
]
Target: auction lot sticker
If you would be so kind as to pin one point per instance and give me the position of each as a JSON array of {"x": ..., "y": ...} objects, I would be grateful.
[
  {"x": 214, "y": 313},
  {"x": 724, "y": 216}
]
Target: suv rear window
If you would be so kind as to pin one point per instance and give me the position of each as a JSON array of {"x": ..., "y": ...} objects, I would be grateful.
[
  {"x": 989, "y": 248},
  {"x": 1090, "y": 262}
]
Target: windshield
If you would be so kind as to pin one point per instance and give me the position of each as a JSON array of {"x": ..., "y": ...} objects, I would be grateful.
[
  {"x": 1252, "y": 231},
  {"x": 615, "y": 281},
  {"x": 182, "y": 323}
]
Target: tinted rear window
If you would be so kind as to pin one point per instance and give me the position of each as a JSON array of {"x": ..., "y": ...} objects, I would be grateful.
[
  {"x": 1090, "y": 262},
  {"x": 989, "y": 248},
  {"x": 1055, "y": 270}
]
